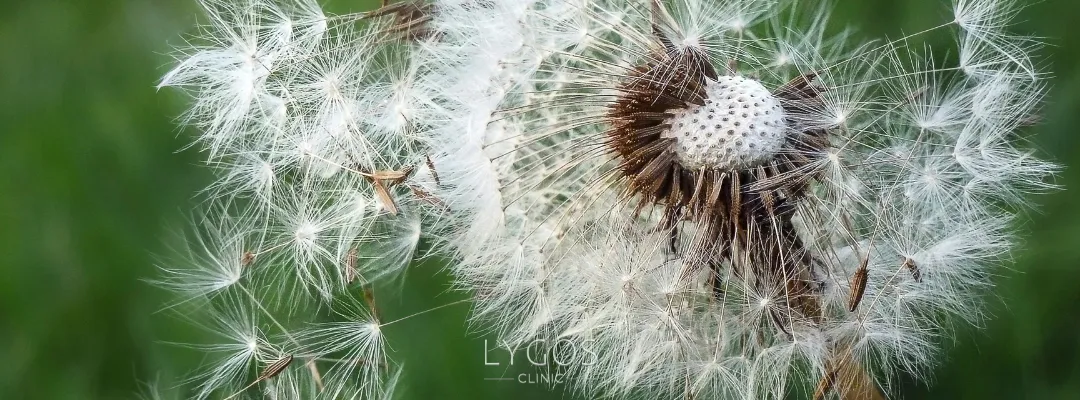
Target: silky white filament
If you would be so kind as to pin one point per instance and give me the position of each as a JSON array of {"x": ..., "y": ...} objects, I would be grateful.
[{"x": 716, "y": 196}]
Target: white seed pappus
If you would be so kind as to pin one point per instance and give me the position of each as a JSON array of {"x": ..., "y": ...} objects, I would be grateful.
[{"x": 724, "y": 198}]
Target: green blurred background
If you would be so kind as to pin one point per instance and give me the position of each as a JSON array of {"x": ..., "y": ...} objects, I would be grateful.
[{"x": 91, "y": 180}]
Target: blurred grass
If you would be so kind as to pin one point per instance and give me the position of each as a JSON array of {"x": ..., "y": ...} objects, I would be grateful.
[{"x": 91, "y": 179}]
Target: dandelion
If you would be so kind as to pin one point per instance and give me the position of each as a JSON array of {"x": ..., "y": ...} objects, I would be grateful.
[
  {"x": 723, "y": 199},
  {"x": 308, "y": 121},
  {"x": 719, "y": 199}
]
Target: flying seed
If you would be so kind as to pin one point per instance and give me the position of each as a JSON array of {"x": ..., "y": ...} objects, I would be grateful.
[
  {"x": 826, "y": 384},
  {"x": 429, "y": 198},
  {"x": 369, "y": 298},
  {"x": 392, "y": 176},
  {"x": 351, "y": 260},
  {"x": 276, "y": 368},
  {"x": 915, "y": 272},
  {"x": 431, "y": 167},
  {"x": 410, "y": 19},
  {"x": 271, "y": 371},
  {"x": 384, "y": 197},
  {"x": 858, "y": 284}
]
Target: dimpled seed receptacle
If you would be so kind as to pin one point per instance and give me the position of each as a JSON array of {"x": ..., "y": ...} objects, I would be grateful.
[{"x": 740, "y": 125}]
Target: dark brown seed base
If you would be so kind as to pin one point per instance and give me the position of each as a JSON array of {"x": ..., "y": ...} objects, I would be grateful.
[{"x": 746, "y": 213}]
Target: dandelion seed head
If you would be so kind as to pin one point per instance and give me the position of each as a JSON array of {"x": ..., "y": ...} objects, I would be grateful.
[
  {"x": 724, "y": 199},
  {"x": 806, "y": 241}
]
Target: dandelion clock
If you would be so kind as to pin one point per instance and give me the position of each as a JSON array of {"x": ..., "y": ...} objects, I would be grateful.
[{"x": 719, "y": 199}]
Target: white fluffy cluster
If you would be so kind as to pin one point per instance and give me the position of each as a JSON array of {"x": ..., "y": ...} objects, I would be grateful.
[
  {"x": 338, "y": 146},
  {"x": 309, "y": 121},
  {"x": 920, "y": 180}
]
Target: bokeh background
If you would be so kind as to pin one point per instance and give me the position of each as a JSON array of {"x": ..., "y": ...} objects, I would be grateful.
[{"x": 91, "y": 180}]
